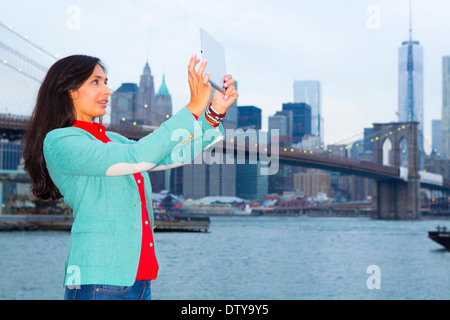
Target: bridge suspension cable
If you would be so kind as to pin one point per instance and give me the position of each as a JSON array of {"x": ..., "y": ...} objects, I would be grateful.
[{"x": 25, "y": 38}]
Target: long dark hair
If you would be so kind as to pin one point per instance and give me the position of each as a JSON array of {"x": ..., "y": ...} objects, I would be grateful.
[{"x": 54, "y": 109}]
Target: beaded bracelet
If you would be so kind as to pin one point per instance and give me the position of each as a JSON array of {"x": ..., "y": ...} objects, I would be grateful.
[
  {"x": 220, "y": 115},
  {"x": 212, "y": 121},
  {"x": 213, "y": 117}
]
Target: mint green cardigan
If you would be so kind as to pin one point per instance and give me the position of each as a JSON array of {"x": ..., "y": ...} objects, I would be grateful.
[{"x": 96, "y": 181}]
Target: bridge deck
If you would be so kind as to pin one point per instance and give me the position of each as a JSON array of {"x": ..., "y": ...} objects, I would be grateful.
[{"x": 16, "y": 125}]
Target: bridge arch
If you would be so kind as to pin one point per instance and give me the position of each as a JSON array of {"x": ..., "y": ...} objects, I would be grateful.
[
  {"x": 397, "y": 199},
  {"x": 387, "y": 152}
]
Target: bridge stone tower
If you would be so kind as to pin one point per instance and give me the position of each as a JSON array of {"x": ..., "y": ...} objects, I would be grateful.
[{"x": 397, "y": 199}]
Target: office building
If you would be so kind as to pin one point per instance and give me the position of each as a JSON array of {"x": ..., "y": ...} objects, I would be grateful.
[
  {"x": 163, "y": 104},
  {"x": 445, "y": 124},
  {"x": 369, "y": 136},
  {"x": 123, "y": 105},
  {"x": 203, "y": 180},
  {"x": 146, "y": 98},
  {"x": 312, "y": 182},
  {"x": 281, "y": 121},
  {"x": 250, "y": 184},
  {"x": 301, "y": 120},
  {"x": 231, "y": 119},
  {"x": 436, "y": 137},
  {"x": 10, "y": 156},
  {"x": 249, "y": 117},
  {"x": 410, "y": 88},
  {"x": 309, "y": 92}
]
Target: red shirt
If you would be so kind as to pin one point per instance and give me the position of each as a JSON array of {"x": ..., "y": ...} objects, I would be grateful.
[{"x": 148, "y": 265}]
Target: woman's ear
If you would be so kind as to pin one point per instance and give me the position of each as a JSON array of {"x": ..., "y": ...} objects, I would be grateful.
[{"x": 73, "y": 94}]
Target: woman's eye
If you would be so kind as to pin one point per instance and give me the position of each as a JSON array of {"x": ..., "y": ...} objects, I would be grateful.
[{"x": 95, "y": 81}]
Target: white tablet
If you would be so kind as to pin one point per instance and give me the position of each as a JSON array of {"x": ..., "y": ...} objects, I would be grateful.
[{"x": 214, "y": 53}]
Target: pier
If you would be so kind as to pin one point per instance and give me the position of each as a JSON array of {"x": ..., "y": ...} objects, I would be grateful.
[{"x": 9, "y": 223}]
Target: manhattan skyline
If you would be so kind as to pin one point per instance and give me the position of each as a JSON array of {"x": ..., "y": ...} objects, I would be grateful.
[{"x": 349, "y": 46}]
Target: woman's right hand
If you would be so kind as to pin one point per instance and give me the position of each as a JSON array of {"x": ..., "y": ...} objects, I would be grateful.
[{"x": 199, "y": 85}]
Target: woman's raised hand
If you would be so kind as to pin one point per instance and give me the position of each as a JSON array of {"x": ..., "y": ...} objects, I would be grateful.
[
  {"x": 221, "y": 102},
  {"x": 199, "y": 86}
]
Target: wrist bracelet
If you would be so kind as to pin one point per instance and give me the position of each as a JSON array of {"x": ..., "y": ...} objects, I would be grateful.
[
  {"x": 211, "y": 120},
  {"x": 213, "y": 117},
  {"x": 215, "y": 112}
]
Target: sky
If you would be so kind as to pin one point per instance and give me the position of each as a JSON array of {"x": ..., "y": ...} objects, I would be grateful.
[{"x": 350, "y": 46}]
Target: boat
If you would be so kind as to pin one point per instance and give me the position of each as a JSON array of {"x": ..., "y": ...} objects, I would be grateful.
[{"x": 441, "y": 236}]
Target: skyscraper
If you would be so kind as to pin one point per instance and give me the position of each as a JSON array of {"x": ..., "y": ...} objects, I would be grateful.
[
  {"x": 249, "y": 117},
  {"x": 445, "y": 122},
  {"x": 301, "y": 120},
  {"x": 250, "y": 184},
  {"x": 123, "y": 104},
  {"x": 410, "y": 85},
  {"x": 282, "y": 121},
  {"x": 146, "y": 97},
  {"x": 309, "y": 92},
  {"x": 436, "y": 137},
  {"x": 163, "y": 104}
]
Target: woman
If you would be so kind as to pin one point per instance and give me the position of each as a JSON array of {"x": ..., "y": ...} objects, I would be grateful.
[{"x": 103, "y": 175}]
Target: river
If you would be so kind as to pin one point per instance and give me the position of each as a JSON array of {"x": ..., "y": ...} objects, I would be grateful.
[{"x": 259, "y": 258}]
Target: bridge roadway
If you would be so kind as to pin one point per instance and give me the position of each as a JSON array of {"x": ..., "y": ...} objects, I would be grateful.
[
  {"x": 12, "y": 127},
  {"x": 326, "y": 161}
]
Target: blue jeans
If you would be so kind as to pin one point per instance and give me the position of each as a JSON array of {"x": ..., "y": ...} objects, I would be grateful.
[{"x": 139, "y": 291}]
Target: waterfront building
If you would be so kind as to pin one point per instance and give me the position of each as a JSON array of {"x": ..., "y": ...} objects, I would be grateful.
[{"x": 312, "y": 182}]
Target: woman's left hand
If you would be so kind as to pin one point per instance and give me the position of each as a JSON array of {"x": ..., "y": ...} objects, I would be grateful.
[{"x": 222, "y": 102}]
